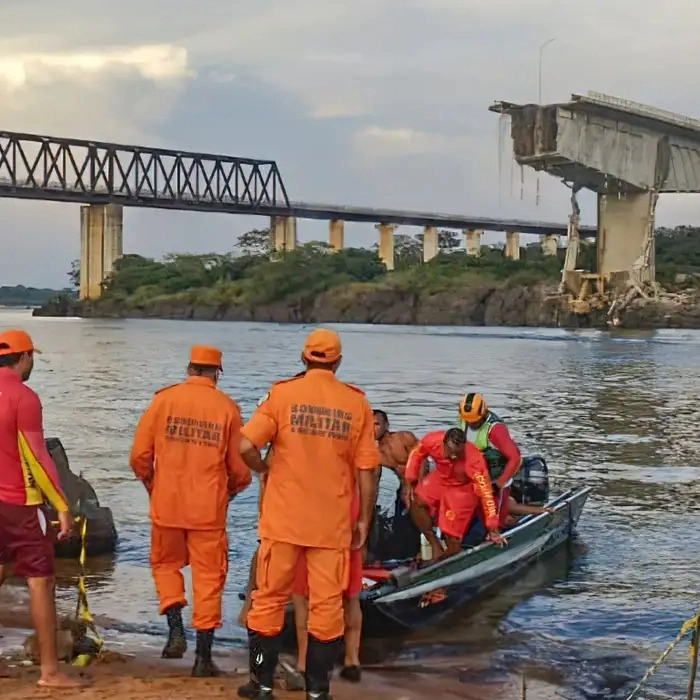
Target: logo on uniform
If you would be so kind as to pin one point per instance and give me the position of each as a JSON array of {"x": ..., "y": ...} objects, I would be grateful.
[
  {"x": 450, "y": 515},
  {"x": 263, "y": 399}
]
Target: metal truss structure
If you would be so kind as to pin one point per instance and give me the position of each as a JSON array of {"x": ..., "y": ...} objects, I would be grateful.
[{"x": 92, "y": 172}]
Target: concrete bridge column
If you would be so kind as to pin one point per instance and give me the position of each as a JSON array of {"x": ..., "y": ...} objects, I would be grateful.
[
  {"x": 336, "y": 234},
  {"x": 549, "y": 244},
  {"x": 626, "y": 236},
  {"x": 512, "y": 245},
  {"x": 431, "y": 245},
  {"x": 472, "y": 242},
  {"x": 386, "y": 244},
  {"x": 101, "y": 245},
  {"x": 283, "y": 230}
]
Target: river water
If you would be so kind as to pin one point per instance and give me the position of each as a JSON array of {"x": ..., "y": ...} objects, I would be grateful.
[{"x": 618, "y": 412}]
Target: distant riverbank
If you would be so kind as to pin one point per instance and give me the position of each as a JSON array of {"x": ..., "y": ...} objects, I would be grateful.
[{"x": 480, "y": 304}]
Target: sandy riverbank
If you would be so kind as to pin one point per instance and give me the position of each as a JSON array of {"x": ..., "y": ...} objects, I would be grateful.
[{"x": 138, "y": 672}]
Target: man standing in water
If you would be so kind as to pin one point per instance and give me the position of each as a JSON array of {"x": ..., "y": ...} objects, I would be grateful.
[
  {"x": 322, "y": 437},
  {"x": 28, "y": 478},
  {"x": 186, "y": 454}
]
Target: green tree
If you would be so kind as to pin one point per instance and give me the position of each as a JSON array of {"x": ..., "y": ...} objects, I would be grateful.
[{"x": 255, "y": 242}]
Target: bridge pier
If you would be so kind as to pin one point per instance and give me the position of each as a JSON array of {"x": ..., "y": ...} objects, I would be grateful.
[
  {"x": 512, "y": 245},
  {"x": 472, "y": 242},
  {"x": 625, "y": 242},
  {"x": 549, "y": 245},
  {"x": 386, "y": 244},
  {"x": 336, "y": 234},
  {"x": 101, "y": 245},
  {"x": 431, "y": 243},
  {"x": 283, "y": 232}
]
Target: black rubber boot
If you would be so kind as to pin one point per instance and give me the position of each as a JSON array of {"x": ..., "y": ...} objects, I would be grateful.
[
  {"x": 176, "y": 646},
  {"x": 320, "y": 659},
  {"x": 263, "y": 653},
  {"x": 204, "y": 667}
]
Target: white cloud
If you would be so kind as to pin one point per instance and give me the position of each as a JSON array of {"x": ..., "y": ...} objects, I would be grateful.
[
  {"x": 156, "y": 62},
  {"x": 379, "y": 142}
]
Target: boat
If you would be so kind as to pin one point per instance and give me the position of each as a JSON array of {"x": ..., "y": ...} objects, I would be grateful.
[
  {"x": 404, "y": 597},
  {"x": 101, "y": 533}
]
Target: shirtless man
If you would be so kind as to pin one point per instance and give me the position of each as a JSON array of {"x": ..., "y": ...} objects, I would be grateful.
[{"x": 394, "y": 449}]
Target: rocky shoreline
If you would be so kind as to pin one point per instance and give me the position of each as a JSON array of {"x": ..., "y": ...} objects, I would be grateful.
[{"x": 484, "y": 304}]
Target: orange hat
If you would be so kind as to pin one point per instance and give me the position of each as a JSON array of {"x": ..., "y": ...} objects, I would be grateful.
[
  {"x": 14, "y": 341},
  {"x": 322, "y": 346},
  {"x": 206, "y": 356}
]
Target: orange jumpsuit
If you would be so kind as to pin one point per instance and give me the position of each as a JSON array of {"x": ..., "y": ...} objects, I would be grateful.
[
  {"x": 186, "y": 451},
  {"x": 453, "y": 491},
  {"x": 321, "y": 431}
]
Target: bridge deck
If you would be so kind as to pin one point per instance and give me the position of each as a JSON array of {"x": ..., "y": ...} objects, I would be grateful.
[{"x": 95, "y": 172}]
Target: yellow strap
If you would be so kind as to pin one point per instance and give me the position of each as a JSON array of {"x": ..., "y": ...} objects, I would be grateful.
[{"x": 82, "y": 611}]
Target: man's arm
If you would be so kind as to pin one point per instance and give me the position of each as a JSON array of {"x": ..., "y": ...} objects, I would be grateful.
[
  {"x": 366, "y": 463},
  {"x": 239, "y": 476},
  {"x": 142, "y": 454},
  {"x": 256, "y": 433},
  {"x": 416, "y": 461},
  {"x": 500, "y": 438},
  {"x": 479, "y": 474},
  {"x": 30, "y": 431}
]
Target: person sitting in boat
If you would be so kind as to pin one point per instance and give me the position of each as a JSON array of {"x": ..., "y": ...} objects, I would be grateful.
[
  {"x": 491, "y": 436},
  {"x": 452, "y": 492}
]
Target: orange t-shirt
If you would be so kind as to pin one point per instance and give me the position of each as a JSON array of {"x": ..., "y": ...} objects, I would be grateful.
[
  {"x": 186, "y": 450},
  {"x": 321, "y": 431}
]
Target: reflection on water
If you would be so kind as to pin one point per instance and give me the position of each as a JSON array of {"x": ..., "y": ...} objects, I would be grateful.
[{"x": 617, "y": 411}]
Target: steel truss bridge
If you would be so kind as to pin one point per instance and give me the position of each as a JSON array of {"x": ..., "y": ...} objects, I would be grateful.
[{"x": 94, "y": 172}]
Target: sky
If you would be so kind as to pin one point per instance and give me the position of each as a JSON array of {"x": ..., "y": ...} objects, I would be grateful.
[{"x": 378, "y": 103}]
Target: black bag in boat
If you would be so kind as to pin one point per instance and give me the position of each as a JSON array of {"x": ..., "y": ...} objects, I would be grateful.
[
  {"x": 83, "y": 502},
  {"x": 392, "y": 536}
]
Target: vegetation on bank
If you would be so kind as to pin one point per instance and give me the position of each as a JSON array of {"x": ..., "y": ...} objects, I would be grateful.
[
  {"x": 247, "y": 276},
  {"x": 25, "y": 296}
]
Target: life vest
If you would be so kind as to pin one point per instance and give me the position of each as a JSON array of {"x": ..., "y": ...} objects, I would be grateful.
[{"x": 494, "y": 459}]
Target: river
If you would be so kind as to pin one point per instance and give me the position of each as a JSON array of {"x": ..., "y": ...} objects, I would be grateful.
[{"x": 618, "y": 412}]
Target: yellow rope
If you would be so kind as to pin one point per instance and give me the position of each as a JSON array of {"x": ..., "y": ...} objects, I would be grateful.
[
  {"x": 82, "y": 611},
  {"x": 687, "y": 627}
]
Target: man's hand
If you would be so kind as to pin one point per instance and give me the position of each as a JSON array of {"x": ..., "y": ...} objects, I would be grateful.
[
  {"x": 66, "y": 522},
  {"x": 359, "y": 534},
  {"x": 407, "y": 494},
  {"x": 548, "y": 509},
  {"x": 497, "y": 538}
]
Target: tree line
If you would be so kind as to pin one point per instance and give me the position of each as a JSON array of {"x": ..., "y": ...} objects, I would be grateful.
[{"x": 248, "y": 274}]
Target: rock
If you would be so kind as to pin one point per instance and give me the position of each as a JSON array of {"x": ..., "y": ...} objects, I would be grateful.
[{"x": 480, "y": 303}]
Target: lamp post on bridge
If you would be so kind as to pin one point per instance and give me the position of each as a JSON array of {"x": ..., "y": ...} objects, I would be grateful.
[{"x": 539, "y": 69}]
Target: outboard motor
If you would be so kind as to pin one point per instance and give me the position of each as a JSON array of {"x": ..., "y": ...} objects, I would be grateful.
[{"x": 531, "y": 483}]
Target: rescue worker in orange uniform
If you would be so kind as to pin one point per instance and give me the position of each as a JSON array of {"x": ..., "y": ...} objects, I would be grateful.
[
  {"x": 186, "y": 453},
  {"x": 322, "y": 436},
  {"x": 452, "y": 492},
  {"x": 351, "y": 670},
  {"x": 490, "y": 434}
]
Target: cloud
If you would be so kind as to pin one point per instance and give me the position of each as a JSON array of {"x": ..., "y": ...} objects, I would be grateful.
[
  {"x": 379, "y": 142},
  {"x": 373, "y": 102}
]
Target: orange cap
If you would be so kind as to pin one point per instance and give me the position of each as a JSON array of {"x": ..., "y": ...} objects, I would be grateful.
[
  {"x": 323, "y": 346},
  {"x": 206, "y": 356},
  {"x": 15, "y": 341}
]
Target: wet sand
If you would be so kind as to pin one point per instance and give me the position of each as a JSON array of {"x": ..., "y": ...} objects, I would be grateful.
[
  {"x": 137, "y": 671},
  {"x": 159, "y": 680}
]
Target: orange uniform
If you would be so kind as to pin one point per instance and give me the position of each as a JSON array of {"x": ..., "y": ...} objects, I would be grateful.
[
  {"x": 453, "y": 490},
  {"x": 321, "y": 430},
  {"x": 186, "y": 451}
]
